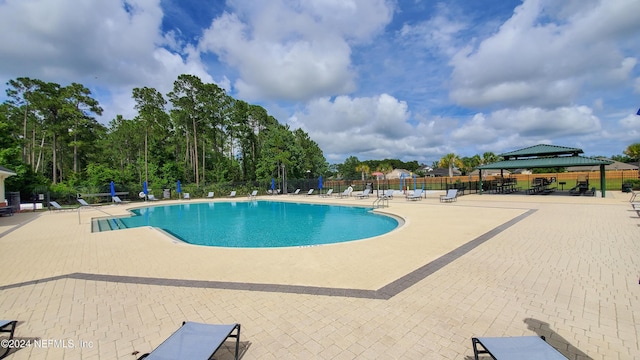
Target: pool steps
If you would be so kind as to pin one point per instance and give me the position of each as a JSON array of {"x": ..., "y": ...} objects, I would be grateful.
[{"x": 99, "y": 225}]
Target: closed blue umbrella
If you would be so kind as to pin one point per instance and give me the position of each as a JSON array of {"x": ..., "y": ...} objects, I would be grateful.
[
  {"x": 415, "y": 181},
  {"x": 179, "y": 189},
  {"x": 402, "y": 182},
  {"x": 113, "y": 189},
  {"x": 145, "y": 190},
  {"x": 320, "y": 182},
  {"x": 273, "y": 185}
]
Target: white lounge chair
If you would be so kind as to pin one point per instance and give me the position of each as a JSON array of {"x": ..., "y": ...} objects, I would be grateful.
[
  {"x": 452, "y": 195},
  {"x": 309, "y": 193},
  {"x": 364, "y": 194},
  {"x": 346, "y": 193},
  {"x": 328, "y": 194},
  {"x": 151, "y": 197},
  {"x": 388, "y": 194},
  {"x": 56, "y": 206},
  {"x": 417, "y": 195},
  {"x": 295, "y": 192},
  {"x": 117, "y": 200},
  {"x": 195, "y": 341},
  {"x": 232, "y": 194},
  {"x": 253, "y": 194},
  {"x": 186, "y": 196},
  {"x": 84, "y": 203},
  {"x": 210, "y": 195}
]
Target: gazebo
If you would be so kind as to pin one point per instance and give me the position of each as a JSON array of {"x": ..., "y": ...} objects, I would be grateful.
[{"x": 547, "y": 156}]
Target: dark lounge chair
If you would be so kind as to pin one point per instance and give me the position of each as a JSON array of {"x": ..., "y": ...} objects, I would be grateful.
[
  {"x": 195, "y": 341},
  {"x": 7, "y": 326},
  {"x": 521, "y": 348},
  {"x": 6, "y": 210}
]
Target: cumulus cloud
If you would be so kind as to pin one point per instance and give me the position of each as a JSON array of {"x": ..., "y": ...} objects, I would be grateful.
[
  {"x": 116, "y": 44},
  {"x": 294, "y": 50},
  {"x": 531, "y": 125},
  {"x": 373, "y": 127},
  {"x": 546, "y": 56}
]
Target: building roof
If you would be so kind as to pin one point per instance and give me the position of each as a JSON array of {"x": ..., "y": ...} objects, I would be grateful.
[
  {"x": 615, "y": 165},
  {"x": 6, "y": 172},
  {"x": 542, "y": 150}
]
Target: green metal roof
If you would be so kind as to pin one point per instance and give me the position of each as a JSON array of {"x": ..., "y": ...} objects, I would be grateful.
[
  {"x": 545, "y": 162},
  {"x": 542, "y": 150}
]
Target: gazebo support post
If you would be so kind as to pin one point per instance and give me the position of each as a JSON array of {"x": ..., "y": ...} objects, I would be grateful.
[{"x": 603, "y": 183}]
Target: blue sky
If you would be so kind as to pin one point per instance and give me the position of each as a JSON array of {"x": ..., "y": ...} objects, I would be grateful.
[{"x": 413, "y": 79}]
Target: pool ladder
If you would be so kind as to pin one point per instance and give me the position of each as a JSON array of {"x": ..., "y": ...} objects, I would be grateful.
[{"x": 381, "y": 202}]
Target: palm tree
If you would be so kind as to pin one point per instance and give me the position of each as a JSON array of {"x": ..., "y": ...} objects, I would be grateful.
[
  {"x": 450, "y": 160},
  {"x": 488, "y": 158},
  {"x": 364, "y": 169}
]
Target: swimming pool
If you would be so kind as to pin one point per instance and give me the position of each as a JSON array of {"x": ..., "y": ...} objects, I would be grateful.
[{"x": 256, "y": 224}]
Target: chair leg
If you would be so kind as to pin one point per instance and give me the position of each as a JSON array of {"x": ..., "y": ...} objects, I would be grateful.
[{"x": 8, "y": 328}]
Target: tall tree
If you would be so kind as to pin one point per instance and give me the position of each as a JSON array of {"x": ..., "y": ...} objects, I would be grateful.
[
  {"x": 151, "y": 111},
  {"x": 19, "y": 92},
  {"x": 188, "y": 110},
  {"x": 82, "y": 124}
]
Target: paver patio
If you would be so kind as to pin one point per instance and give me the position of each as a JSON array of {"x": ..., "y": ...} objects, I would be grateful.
[{"x": 489, "y": 265}]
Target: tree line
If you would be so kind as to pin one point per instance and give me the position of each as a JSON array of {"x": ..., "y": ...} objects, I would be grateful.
[{"x": 196, "y": 133}]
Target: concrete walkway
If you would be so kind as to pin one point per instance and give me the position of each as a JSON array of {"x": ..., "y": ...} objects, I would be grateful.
[{"x": 490, "y": 265}]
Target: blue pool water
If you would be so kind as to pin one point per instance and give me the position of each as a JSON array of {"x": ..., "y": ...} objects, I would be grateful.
[{"x": 262, "y": 223}]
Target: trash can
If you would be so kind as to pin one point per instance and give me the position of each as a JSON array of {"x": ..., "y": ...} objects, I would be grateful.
[
  {"x": 166, "y": 194},
  {"x": 14, "y": 200},
  {"x": 627, "y": 187}
]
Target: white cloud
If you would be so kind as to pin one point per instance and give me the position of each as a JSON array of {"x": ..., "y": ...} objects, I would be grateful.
[
  {"x": 294, "y": 50},
  {"x": 111, "y": 44},
  {"x": 529, "y": 125},
  {"x": 372, "y": 127},
  {"x": 539, "y": 58}
]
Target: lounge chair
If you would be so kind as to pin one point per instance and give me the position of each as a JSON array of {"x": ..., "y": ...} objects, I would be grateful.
[
  {"x": 452, "y": 195},
  {"x": 295, "y": 192},
  {"x": 195, "y": 341},
  {"x": 417, "y": 195},
  {"x": 186, "y": 196},
  {"x": 309, "y": 193},
  {"x": 328, "y": 194},
  {"x": 364, "y": 194},
  {"x": 521, "y": 347},
  {"x": 151, "y": 197},
  {"x": 83, "y": 202},
  {"x": 346, "y": 193},
  {"x": 55, "y": 205},
  {"x": 253, "y": 194},
  {"x": 210, "y": 195},
  {"x": 117, "y": 200},
  {"x": 232, "y": 194},
  {"x": 7, "y": 326},
  {"x": 387, "y": 194},
  {"x": 591, "y": 192}
]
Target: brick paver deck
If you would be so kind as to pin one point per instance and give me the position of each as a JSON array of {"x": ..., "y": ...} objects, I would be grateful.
[{"x": 489, "y": 265}]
